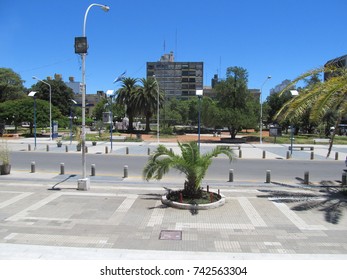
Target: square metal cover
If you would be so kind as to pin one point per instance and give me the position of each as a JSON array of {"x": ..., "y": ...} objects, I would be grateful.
[{"x": 170, "y": 235}]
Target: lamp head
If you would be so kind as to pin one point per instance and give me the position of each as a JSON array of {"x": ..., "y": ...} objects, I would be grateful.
[
  {"x": 109, "y": 92},
  {"x": 269, "y": 77},
  {"x": 199, "y": 92},
  {"x": 105, "y": 8}
]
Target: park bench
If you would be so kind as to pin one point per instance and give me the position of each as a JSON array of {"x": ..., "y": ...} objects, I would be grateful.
[
  {"x": 118, "y": 138},
  {"x": 311, "y": 148},
  {"x": 232, "y": 147},
  {"x": 315, "y": 141}
]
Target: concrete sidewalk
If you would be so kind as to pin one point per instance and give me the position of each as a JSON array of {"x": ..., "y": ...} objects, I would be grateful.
[{"x": 41, "y": 219}]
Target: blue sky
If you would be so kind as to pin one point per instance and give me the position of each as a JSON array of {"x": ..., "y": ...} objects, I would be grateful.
[{"x": 281, "y": 38}]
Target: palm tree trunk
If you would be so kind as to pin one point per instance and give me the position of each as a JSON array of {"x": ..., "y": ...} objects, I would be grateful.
[
  {"x": 148, "y": 127},
  {"x": 131, "y": 120},
  {"x": 190, "y": 189}
]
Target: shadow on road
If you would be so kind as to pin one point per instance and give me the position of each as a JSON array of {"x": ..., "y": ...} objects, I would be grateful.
[{"x": 331, "y": 200}]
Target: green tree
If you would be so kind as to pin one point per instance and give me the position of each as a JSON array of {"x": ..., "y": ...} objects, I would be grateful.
[
  {"x": 11, "y": 85},
  {"x": 209, "y": 112},
  {"x": 61, "y": 94},
  {"x": 126, "y": 96},
  {"x": 102, "y": 106},
  {"x": 237, "y": 105},
  {"x": 22, "y": 110},
  {"x": 320, "y": 98},
  {"x": 146, "y": 100},
  {"x": 190, "y": 162},
  {"x": 176, "y": 111}
]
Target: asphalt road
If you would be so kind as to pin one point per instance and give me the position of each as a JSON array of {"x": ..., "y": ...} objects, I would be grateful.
[{"x": 243, "y": 169}]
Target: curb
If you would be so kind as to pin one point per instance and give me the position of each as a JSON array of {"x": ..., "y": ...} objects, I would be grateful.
[{"x": 187, "y": 206}]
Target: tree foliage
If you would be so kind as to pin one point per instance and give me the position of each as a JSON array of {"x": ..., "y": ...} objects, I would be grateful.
[
  {"x": 146, "y": 100},
  {"x": 190, "y": 162},
  {"x": 61, "y": 94},
  {"x": 126, "y": 97},
  {"x": 22, "y": 110},
  {"x": 11, "y": 85},
  {"x": 238, "y": 107},
  {"x": 319, "y": 98}
]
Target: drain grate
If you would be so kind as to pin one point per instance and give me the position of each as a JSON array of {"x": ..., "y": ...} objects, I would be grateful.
[{"x": 170, "y": 235}]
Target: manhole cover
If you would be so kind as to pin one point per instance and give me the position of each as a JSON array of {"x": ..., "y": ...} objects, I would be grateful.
[{"x": 170, "y": 235}]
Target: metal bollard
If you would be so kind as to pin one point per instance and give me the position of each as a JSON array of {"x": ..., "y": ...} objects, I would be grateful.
[
  {"x": 86, "y": 149},
  {"x": 47, "y": 148},
  {"x": 307, "y": 178},
  {"x": 264, "y": 154},
  {"x": 125, "y": 171},
  {"x": 268, "y": 176},
  {"x": 240, "y": 153},
  {"x": 344, "y": 179},
  {"x": 288, "y": 155},
  {"x": 126, "y": 150},
  {"x": 231, "y": 175},
  {"x": 148, "y": 151},
  {"x": 312, "y": 155},
  {"x": 29, "y": 147},
  {"x": 66, "y": 149},
  {"x": 208, "y": 188},
  {"x": 336, "y": 155},
  {"x": 106, "y": 150},
  {"x": 93, "y": 170},
  {"x": 62, "y": 169},
  {"x": 33, "y": 167}
]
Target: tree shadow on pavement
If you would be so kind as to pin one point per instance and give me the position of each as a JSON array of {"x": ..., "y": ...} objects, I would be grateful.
[{"x": 332, "y": 200}]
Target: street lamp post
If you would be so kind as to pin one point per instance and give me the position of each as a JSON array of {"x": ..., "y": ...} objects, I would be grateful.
[
  {"x": 50, "y": 105},
  {"x": 73, "y": 103},
  {"x": 293, "y": 93},
  {"x": 157, "y": 109},
  {"x": 261, "y": 111},
  {"x": 199, "y": 93},
  {"x": 110, "y": 93},
  {"x": 83, "y": 184},
  {"x": 32, "y": 94}
]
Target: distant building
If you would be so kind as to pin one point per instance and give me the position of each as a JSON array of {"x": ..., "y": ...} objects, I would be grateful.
[
  {"x": 91, "y": 99},
  {"x": 75, "y": 86},
  {"x": 339, "y": 62},
  {"x": 255, "y": 93},
  {"x": 280, "y": 87},
  {"x": 177, "y": 79}
]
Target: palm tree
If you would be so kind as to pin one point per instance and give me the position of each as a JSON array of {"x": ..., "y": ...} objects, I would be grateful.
[
  {"x": 147, "y": 99},
  {"x": 190, "y": 162},
  {"x": 320, "y": 98},
  {"x": 126, "y": 96}
]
